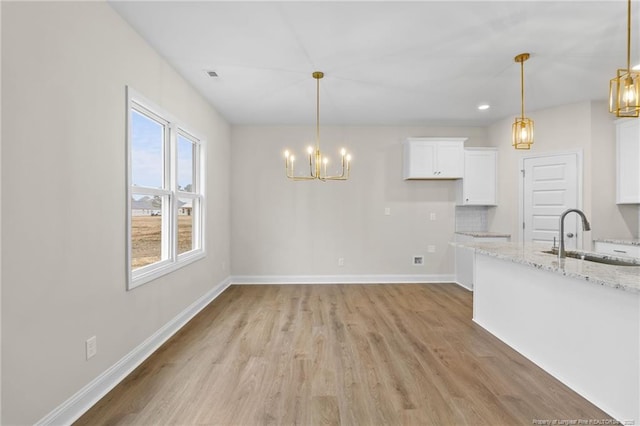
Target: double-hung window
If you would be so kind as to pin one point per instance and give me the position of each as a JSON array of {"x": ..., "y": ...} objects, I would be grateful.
[{"x": 165, "y": 192}]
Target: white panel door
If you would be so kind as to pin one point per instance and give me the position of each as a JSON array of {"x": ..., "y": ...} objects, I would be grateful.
[{"x": 550, "y": 186}]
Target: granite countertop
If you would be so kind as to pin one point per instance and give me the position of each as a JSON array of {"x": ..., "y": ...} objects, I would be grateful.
[
  {"x": 478, "y": 234},
  {"x": 635, "y": 242},
  {"x": 626, "y": 278}
]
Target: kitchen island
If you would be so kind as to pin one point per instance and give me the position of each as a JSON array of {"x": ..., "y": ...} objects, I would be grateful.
[{"x": 576, "y": 319}]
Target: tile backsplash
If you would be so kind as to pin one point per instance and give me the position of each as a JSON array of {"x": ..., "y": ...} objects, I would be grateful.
[{"x": 471, "y": 219}]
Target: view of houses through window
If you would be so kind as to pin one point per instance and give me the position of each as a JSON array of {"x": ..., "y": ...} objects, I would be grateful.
[{"x": 166, "y": 194}]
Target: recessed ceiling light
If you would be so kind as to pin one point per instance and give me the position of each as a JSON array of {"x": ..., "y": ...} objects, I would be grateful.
[
  {"x": 483, "y": 107},
  {"x": 212, "y": 73}
]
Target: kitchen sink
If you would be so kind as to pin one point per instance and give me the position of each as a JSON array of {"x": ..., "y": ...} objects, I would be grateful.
[{"x": 595, "y": 257}]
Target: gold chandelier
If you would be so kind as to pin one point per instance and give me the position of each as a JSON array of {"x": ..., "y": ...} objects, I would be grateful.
[
  {"x": 317, "y": 162},
  {"x": 522, "y": 129},
  {"x": 624, "y": 89}
]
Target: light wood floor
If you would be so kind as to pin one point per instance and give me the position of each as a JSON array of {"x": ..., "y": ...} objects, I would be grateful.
[{"x": 338, "y": 354}]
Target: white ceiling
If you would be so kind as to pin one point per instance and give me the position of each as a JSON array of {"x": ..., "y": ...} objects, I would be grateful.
[{"x": 388, "y": 63}]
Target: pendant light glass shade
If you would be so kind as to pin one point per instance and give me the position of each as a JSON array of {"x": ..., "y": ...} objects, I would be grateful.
[
  {"x": 624, "y": 89},
  {"x": 522, "y": 133},
  {"x": 624, "y": 94},
  {"x": 522, "y": 129}
]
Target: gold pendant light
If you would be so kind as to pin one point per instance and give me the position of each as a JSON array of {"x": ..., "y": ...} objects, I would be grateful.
[
  {"x": 317, "y": 163},
  {"x": 522, "y": 130},
  {"x": 624, "y": 89}
]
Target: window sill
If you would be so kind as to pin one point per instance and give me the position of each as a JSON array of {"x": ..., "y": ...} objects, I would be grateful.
[{"x": 163, "y": 268}]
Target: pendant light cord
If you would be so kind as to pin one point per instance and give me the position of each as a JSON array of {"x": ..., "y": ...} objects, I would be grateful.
[
  {"x": 629, "y": 36},
  {"x": 317, "y": 114},
  {"x": 522, "y": 86}
]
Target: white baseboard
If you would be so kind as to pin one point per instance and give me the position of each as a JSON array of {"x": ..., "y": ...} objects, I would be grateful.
[
  {"x": 342, "y": 279},
  {"x": 70, "y": 410},
  {"x": 462, "y": 285}
]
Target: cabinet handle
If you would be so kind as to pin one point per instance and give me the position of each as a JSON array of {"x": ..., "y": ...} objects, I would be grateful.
[{"x": 620, "y": 251}]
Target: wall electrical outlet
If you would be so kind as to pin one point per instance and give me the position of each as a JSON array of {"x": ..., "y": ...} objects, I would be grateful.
[
  {"x": 341, "y": 261},
  {"x": 432, "y": 216},
  {"x": 431, "y": 249},
  {"x": 91, "y": 346},
  {"x": 387, "y": 211},
  {"x": 418, "y": 260}
]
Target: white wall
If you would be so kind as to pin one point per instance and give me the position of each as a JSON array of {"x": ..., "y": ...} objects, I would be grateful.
[
  {"x": 587, "y": 126},
  {"x": 286, "y": 228},
  {"x": 65, "y": 67}
]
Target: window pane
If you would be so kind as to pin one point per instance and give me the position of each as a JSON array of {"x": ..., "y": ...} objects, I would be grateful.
[
  {"x": 185, "y": 225},
  {"x": 146, "y": 230},
  {"x": 147, "y": 140},
  {"x": 186, "y": 154}
]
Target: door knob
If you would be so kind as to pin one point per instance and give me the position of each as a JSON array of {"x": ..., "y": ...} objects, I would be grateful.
[{"x": 570, "y": 235}]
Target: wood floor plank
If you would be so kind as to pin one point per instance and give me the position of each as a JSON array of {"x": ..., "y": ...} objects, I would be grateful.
[{"x": 338, "y": 354}]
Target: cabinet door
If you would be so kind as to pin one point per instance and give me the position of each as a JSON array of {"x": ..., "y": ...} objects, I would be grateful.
[
  {"x": 464, "y": 262},
  {"x": 628, "y": 159},
  {"x": 419, "y": 160},
  {"x": 479, "y": 181},
  {"x": 450, "y": 160}
]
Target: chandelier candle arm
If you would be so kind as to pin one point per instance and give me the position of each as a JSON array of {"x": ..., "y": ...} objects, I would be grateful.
[
  {"x": 318, "y": 162},
  {"x": 624, "y": 89}
]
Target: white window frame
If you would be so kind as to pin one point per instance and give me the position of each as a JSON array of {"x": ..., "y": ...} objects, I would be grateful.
[{"x": 170, "y": 259}]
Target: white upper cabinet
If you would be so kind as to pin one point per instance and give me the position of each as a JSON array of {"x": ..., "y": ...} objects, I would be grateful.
[
  {"x": 433, "y": 158},
  {"x": 478, "y": 187},
  {"x": 628, "y": 161}
]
